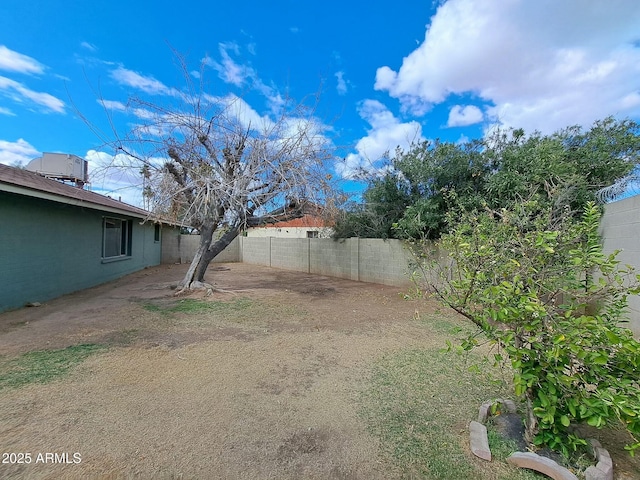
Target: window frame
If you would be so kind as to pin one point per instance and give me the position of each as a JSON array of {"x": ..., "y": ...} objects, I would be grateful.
[{"x": 123, "y": 239}]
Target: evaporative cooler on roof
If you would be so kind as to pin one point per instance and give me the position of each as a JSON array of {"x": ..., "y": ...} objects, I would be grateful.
[{"x": 61, "y": 166}]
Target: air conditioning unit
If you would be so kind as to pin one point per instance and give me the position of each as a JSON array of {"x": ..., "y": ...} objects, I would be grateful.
[{"x": 61, "y": 166}]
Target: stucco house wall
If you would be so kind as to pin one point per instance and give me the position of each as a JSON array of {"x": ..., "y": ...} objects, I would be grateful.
[{"x": 53, "y": 246}]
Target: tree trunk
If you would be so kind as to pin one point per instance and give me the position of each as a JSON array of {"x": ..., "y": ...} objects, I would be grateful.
[
  {"x": 213, "y": 250},
  {"x": 531, "y": 422},
  {"x": 194, "y": 278}
]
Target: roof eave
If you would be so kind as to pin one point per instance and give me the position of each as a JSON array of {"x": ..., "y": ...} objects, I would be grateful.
[{"x": 70, "y": 201}]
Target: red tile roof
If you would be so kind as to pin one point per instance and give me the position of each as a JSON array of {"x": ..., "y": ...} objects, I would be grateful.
[
  {"x": 304, "y": 221},
  {"x": 33, "y": 184}
]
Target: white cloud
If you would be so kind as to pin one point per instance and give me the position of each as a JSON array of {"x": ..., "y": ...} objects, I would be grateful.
[
  {"x": 386, "y": 79},
  {"x": 386, "y": 133},
  {"x": 462, "y": 140},
  {"x": 112, "y": 105},
  {"x": 20, "y": 152},
  {"x": 89, "y": 46},
  {"x": 115, "y": 176},
  {"x": 245, "y": 114},
  {"x": 539, "y": 65},
  {"x": 118, "y": 106},
  {"x": 341, "y": 87},
  {"x": 240, "y": 75},
  {"x": 17, "y": 62},
  {"x": 19, "y": 93},
  {"x": 462, "y": 116},
  {"x": 228, "y": 70},
  {"x": 147, "y": 84}
]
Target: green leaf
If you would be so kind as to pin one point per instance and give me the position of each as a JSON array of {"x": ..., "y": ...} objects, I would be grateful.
[
  {"x": 612, "y": 337},
  {"x": 600, "y": 359},
  {"x": 595, "y": 421},
  {"x": 565, "y": 420},
  {"x": 543, "y": 398}
]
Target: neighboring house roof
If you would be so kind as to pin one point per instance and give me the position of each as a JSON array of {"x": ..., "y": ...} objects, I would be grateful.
[
  {"x": 304, "y": 221},
  {"x": 313, "y": 217},
  {"x": 24, "y": 182}
]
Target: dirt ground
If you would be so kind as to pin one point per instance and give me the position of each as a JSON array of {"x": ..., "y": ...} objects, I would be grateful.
[{"x": 269, "y": 394}]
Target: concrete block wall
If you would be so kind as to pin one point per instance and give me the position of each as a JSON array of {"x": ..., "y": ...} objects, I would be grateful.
[
  {"x": 620, "y": 229},
  {"x": 229, "y": 254},
  {"x": 188, "y": 247},
  {"x": 255, "y": 250},
  {"x": 177, "y": 248},
  {"x": 383, "y": 261},
  {"x": 333, "y": 258},
  {"x": 170, "y": 245},
  {"x": 290, "y": 253},
  {"x": 366, "y": 260}
]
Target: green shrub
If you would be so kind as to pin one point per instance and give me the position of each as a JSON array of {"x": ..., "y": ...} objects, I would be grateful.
[{"x": 540, "y": 289}]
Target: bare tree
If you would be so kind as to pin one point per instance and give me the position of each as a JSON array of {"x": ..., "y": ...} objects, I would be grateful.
[{"x": 214, "y": 164}]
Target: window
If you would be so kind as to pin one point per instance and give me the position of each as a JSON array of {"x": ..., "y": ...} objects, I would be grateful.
[
  {"x": 156, "y": 232},
  {"x": 312, "y": 234},
  {"x": 116, "y": 239}
]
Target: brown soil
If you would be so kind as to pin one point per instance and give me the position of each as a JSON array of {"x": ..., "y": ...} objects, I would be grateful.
[{"x": 202, "y": 395}]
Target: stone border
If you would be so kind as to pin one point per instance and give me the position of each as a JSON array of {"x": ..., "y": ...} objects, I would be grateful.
[
  {"x": 485, "y": 408},
  {"x": 479, "y": 441},
  {"x": 479, "y": 444},
  {"x": 603, "y": 470},
  {"x": 541, "y": 464}
]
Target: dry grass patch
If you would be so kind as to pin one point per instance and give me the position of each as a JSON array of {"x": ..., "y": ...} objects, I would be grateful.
[{"x": 419, "y": 402}]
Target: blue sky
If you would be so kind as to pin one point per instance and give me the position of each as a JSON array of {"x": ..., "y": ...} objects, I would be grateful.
[{"x": 389, "y": 72}]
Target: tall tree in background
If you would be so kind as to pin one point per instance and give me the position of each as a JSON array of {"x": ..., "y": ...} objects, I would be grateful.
[
  {"x": 563, "y": 171},
  {"x": 410, "y": 198},
  {"x": 384, "y": 202},
  {"x": 432, "y": 170},
  {"x": 213, "y": 164}
]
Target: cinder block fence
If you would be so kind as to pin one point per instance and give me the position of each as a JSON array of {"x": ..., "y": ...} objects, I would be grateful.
[
  {"x": 620, "y": 229},
  {"x": 360, "y": 259},
  {"x": 387, "y": 261}
]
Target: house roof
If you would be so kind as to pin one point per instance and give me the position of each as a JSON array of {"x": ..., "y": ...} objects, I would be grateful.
[
  {"x": 304, "y": 221},
  {"x": 24, "y": 182},
  {"x": 312, "y": 217}
]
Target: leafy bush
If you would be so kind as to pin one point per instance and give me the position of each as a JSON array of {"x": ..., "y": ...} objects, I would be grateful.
[
  {"x": 561, "y": 170},
  {"x": 551, "y": 302}
]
